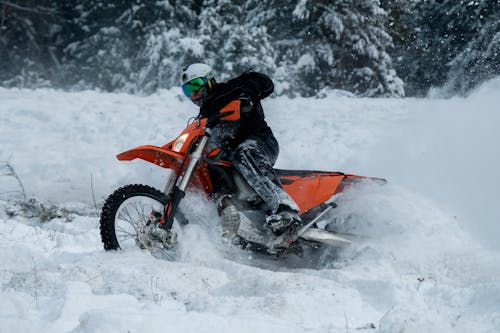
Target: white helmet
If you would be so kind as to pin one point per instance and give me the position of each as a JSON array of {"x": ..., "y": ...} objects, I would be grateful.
[
  {"x": 196, "y": 79},
  {"x": 194, "y": 71}
]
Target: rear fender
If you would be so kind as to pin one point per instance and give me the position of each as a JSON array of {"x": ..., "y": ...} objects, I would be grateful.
[
  {"x": 313, "y": 189},
  {"x": 350, "y": 180}
]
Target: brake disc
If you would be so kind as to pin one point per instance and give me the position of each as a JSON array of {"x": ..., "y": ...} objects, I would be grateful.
[{"x": 151, "y": 237}]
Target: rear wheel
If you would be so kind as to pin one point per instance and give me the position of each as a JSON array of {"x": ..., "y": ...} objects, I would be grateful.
[{"x": 130, "y": 217}]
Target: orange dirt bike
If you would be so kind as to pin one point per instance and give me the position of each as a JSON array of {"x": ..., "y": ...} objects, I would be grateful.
[{"x": 140, "y": 215}]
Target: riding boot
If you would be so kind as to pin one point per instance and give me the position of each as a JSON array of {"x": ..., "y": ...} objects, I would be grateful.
[{"x": 285, "y": 219}]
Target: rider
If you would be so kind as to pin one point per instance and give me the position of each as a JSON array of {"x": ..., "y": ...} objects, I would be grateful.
[{"x": 247, "y": 142}]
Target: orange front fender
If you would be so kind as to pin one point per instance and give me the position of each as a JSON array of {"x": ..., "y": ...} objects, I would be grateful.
[
  {"x": 169, "y": 159},
  {"x": 162, "y": 157}
]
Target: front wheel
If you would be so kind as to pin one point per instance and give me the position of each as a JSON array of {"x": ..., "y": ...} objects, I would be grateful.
[{"x": 130, "y": 217}]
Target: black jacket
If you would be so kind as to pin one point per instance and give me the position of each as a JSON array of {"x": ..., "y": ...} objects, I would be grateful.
[{"x": 250, "y": 88}]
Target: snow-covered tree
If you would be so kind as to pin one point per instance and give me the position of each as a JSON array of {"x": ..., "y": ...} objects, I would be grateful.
[
  {"x": 402, "y": 25},
  {"x": 234, "y": 41},
  {"x": 29, "y": 43},
  {"x": 169, "y": 42},
  {"x": 102, "y": 49},
  {"x": 305, "y": 45},
  {"x": 479, "y": 59},
  {"x": 343, "y": 45},
  {"x": 439, "y": 31}
]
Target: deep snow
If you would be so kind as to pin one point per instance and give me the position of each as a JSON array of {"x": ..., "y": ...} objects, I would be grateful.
[{"x": 424, "y": 256}]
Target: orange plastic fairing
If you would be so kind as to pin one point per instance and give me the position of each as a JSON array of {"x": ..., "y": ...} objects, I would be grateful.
[
  {"x": 157, "y": 155},
  {"x": 313, "y": 190}
]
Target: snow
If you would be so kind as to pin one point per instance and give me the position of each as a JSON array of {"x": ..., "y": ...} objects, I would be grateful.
[
  {"x": 306, "y": 62},
  {"x": 424, "y": 257},
  {"x": 301, "y": 11}
]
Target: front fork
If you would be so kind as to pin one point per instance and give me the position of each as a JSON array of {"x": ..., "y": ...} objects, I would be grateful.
[{"x": 180, "y": 183}]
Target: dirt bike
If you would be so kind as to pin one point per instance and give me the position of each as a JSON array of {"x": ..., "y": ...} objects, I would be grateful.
[{"x": 140, "y": 215}]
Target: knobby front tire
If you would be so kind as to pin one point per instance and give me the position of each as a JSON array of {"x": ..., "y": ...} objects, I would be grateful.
[{"x": 109, "y": 222}]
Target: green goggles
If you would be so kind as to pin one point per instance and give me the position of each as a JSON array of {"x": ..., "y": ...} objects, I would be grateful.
[{"x": 194, "y": 87}]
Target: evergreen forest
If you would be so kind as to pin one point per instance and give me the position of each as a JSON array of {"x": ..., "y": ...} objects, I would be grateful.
[{"x": 375, "y": 48}]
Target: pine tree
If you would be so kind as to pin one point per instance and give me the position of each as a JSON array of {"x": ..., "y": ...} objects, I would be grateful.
[
  {"x": 442, "y": 33},
  {"x": 342, "y": 45},
  {"x": 234, "y": 39},
  {"x": 402, "y": 23},
  {"x": 479, "y": 58},
  {"x": 29, "y": 42},
  {"x": 101, "y": 51},
  {"x": 304, "y": 45},
  {"x": 170, "y": 42}
]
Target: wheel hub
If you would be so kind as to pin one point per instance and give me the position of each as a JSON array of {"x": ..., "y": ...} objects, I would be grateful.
[{"x": 152, "y": 237}]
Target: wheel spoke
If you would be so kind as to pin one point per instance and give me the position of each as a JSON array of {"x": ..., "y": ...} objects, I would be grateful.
[
  {"x": 133, "y": 213},
  {"x": 142, "y": 208},
  {"x": 123, "y": 231},
  {"x": 139, "y": 214},
  {"x": 123, "y": 239},
  {"x": 125, "y": 210},
  {"x": 131, "y": 221}
]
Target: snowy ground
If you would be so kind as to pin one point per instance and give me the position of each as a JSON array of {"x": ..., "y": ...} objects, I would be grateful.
[{"x": 425, "y": 257}]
